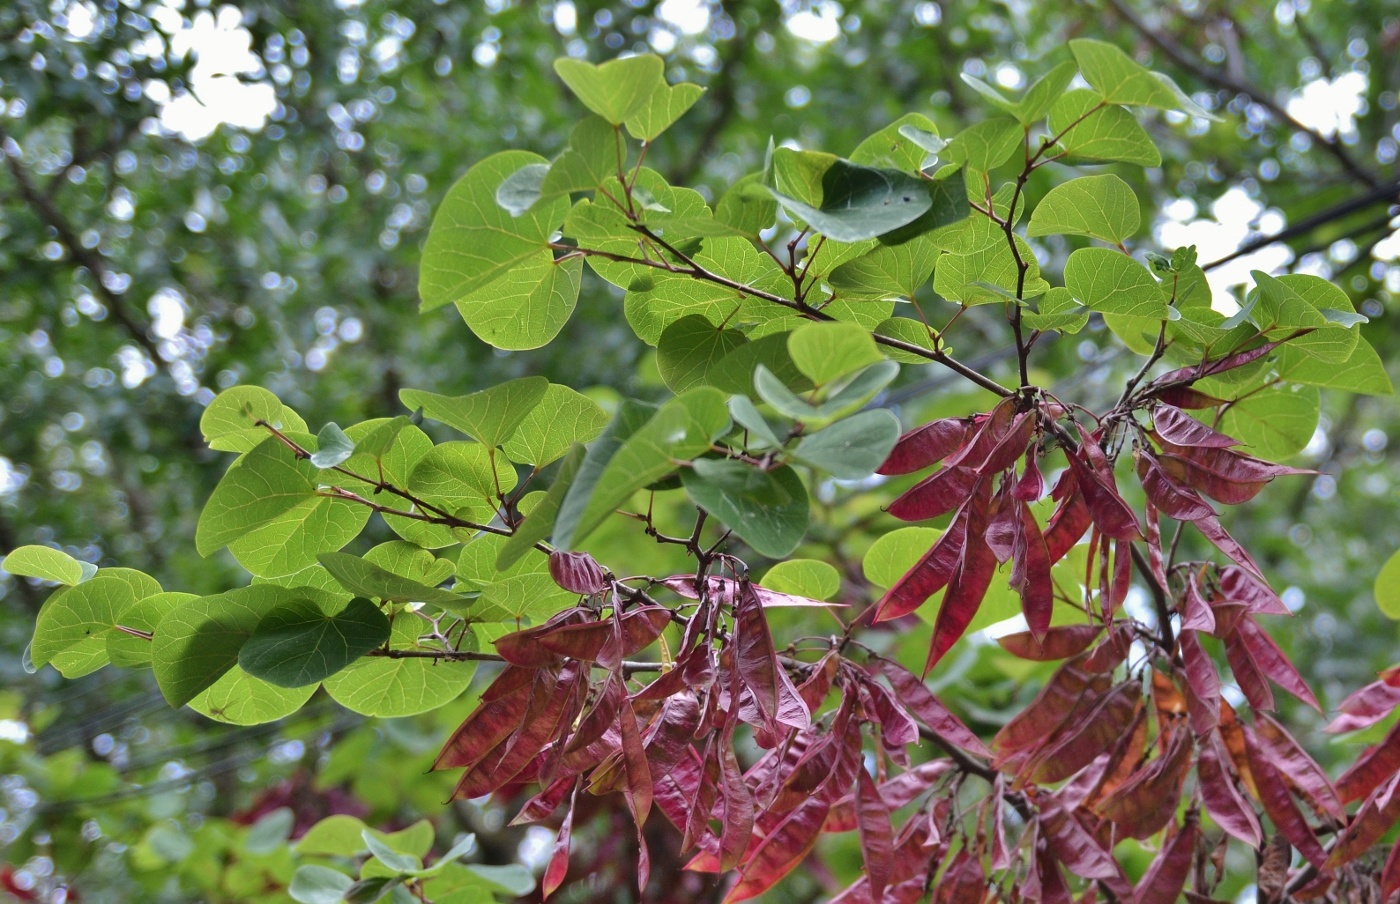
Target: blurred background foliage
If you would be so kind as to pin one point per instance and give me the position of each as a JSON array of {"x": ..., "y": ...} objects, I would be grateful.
[{"x": 196, "y": 196}]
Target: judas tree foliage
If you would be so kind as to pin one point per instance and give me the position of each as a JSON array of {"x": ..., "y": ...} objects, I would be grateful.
[{"x": 756, "y": 700}]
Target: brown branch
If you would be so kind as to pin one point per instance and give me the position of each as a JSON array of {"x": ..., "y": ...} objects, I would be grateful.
[
  {"x": 41, "y": 202},
  {"x": 1183, "y": 58}
]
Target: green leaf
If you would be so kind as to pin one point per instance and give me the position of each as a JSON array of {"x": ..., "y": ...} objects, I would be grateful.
[
  {"x": 1387, "y": 587},
  {"x": 906, "y": 329},
  {"x": 198, "y": 641},
  {"x": 1103, "y": 207},
  {"x": 616, "y": 90},
  {"x": 270, "y": 832},
  {"x": 130, "y": 651},
  {"x": 1039, "y": 97},
  {"x": 682, "y": 429},
  {"x": 591, "y": 158},
  {"x": 848, "y": 395},
  {"x": 1111, "y": 282},
  {"x": 313, "y": 884},
  {"x": 852, "y": 448},
  {"x": 892, "y": 555},
  {"x": 947, "y": 198},
  {"x": 1362, "y": 373},
  {"x": 73, "y": 624},
  {"x": 298, "y": 644},
  {"x": 1274, "y": 422},
  {"x": 539, "y": 520},
  {"x": 522, "y": 596},
  {"x": 522, "y": 188},
  {"x": 1121, "y": 80},
  {"x": 382, "y": 437},
  {"x": 395, "y": 860},
  {"x": 747, "y": 416},
  {"x": 811, "y": 578},
  {"x": 270, "y": 492},
  {"x": 631, "y": 416},
  {"x": 490, "y": 416},
  {"x": 767, "y": 510},
  {"x": 474, "y": 242},
  {"x": 987, "y": 144},
  {"x": 890, "y": 271},
  {"x": 828, "y": 351},
  {"x": 562, "y": 418},
  {"x": 689, "y": 348},
  {"x": 1282, "y": 310},
  {"x": 386, "y": 687},
  {"x": 907, "y": 144},
  {"x": 527, "y": 307},
  {"x": 47, "y": 564},
  {"x": 238, "y": 698},
  {"x": 514, "y": 879},
  {"x": 845, "y": 201},
  {"x": 1092, "y": 131},
  {"x": 734, "y": 372},
  {"x": 410, "y": 561},
  {"x": 230, "y": 422},
  {"x": 332, "y": 447},
  {"x": 667, "y": 104},
  {"x": 364, "y": 578},
  {"x": 747, "y": 206},
  {"x": 457, "y": 477},
  {"x": 1057, "y": 310}
]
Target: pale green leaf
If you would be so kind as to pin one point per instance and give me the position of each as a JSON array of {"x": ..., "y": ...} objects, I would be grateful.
[
  {"x": 127, "y": 650},
  {"x": 527, "y": 307},
  {"x": 852, "y": 448},
  {"x": 1103, "y": 207},
  {"x": 1122, "y": 80},
  {"x": 828, "y": 351},
  {"x": 1090, "y": 130},
  {"x": 1362, "y": 373},
  {"x": 230, "y": 422},
  {"x": 889, "y": 271},
  {"x": 364, "y": 578},
  {"x": 616, "y": 90},
  {"x": 987, "y": 144},
  {"x": 811, "y": 578},
  {"x": 490, "y": 416},
  {"x": 238, "y": 698},
  {"x": 473, "y": 241},
  {"x": 1110, "y": 282},
  {"x": 666, "y": 104},
  {"x": 689, "y": 348},
  {"x": 386, "y": 687},
  {"x": 48, "y": 564},
  {"x": 73, "y": 624},
  {"x": 314, "y": 884},
  {"x": 560, "y": 419},
  {"x": 1387, "y": 587}
]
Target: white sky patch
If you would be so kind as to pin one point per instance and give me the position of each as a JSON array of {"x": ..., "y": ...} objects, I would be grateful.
[
  {"x": 820, "y": 23},
  {"x": 222, "y": 48},
  {"x": 1231, "y": 218},
  {"x": 167, "y": 309},
  {"x": 691, "y": 17},
  {"x": 13, "y": 731},
  {"x": 1330, "y": 107}
]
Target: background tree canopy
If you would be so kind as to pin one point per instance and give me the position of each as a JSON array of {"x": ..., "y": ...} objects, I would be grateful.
[{"x": 196, "y": 198}]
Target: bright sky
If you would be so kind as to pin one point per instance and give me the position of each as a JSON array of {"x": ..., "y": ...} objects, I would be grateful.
[{"x": 222, "y": 51}]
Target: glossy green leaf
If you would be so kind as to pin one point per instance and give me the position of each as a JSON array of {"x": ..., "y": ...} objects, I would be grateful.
[
  {"x": 1288, "y": 304},
  {"x": 852, "y": 448},
  {"x": 1057, "y": 310},
  {"x": 297, "y": 644},
  {"x": 591, "y": 158},
  {"x": 828, "y": 351},
  {"x": 892, "y": 554},
  {"x": 845, "y": 201},
  {"x": 1110, "y": 282},
  {"x": 1103, "y": 207},
  {"x": 474, "y": 242},
  {"x": 767, "y": 510},
  {"x": 522, "y": 188},
  {"x": 333, "y": 447},
  {"x": 616, "y": 90},
  {"x": 811, "y": 578},
  {"x": 490, "y": 416},
  {"x": 47, "y": 564},
  {"x": 907, "y": 144}
]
